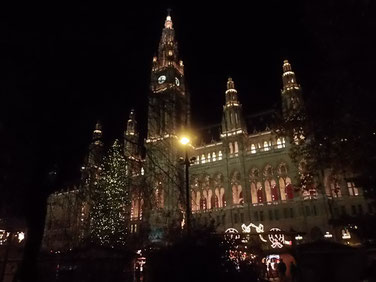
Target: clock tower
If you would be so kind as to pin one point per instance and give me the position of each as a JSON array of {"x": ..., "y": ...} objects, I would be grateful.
[
  {"x": 168, "y": 100},
  {"x": 168, "y": 118}
]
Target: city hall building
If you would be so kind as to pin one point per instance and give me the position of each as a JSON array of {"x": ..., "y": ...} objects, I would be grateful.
[{"x": 243, "y": 181}]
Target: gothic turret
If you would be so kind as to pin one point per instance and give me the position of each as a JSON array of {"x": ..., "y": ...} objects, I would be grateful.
[
  {"x": 131, "y": 136},
  {"x": 232, "y": 122},
  {"x": 292, "y": 103},
  {"x": 96, "y": 146}
]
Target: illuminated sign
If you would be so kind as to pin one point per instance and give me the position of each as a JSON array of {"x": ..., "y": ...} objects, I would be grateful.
[
  {"x": 346, "y": 234},
  {"x": 276, "y": 238},
  {"x": 328, "y": 235},
  {"x": 275, "y": 235}
]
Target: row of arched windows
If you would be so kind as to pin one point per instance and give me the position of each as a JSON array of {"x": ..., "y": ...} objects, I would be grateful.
[
  {"x": 209, "y": 157},
  {"x": 234, "y": 150},
  {"x": 265, "y": 187},
  {"x": 270, "y": 191},
  {"x": 208, "y": 199},
  {"x": 261, "y": 192},
  {"x": 267, "y": 145}
]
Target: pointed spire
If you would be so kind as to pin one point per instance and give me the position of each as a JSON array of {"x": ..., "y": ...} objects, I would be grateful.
[
  {"x": 231, "y": 93},
  {"x": 230, "y": 84},
  {"x": 96, "y": 146},
  {"x": 286, "y": 66},
  {"x": 97, "y": 133},
  {"x": 168, "y": 22},
  {"x": 131, "y": 124},
  {"x": 288, "y": 76}
]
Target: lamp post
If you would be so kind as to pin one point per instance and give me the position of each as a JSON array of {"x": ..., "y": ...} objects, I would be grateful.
[{"x": 185, "y": 141}]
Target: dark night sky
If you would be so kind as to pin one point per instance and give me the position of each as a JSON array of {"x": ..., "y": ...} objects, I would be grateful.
[{"x": 64, "y": 67}]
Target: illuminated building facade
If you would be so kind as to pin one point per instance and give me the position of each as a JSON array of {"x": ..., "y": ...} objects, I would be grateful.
[{"x": 241, "y": 180}]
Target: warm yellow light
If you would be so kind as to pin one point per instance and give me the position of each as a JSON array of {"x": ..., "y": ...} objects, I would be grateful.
[{"x": 184, "y": 140}]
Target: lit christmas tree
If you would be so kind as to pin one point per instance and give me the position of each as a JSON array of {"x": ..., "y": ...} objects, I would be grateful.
[{"x": 110, "y": 201}]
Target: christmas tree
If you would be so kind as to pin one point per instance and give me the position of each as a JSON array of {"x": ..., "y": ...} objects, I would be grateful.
[{"x": 110, "y": 201}]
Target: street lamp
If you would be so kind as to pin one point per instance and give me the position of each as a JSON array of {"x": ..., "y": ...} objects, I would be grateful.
[{"x": 185, "y": 140}]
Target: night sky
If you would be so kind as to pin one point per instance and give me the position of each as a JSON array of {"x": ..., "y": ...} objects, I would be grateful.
[{"x": 65, "y": 67}]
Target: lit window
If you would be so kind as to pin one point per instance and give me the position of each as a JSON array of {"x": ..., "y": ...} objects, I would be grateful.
[
  {"x": 203, "y": 160},
  {"x": 142, "y": 171},
  {"x": 236, "y": 147},
  {"x": 214, "y": 157},
  {"x": 266, "y": 146},
  {"x": 198, "y": 160},
  {"x": 279, "y": 143},
  {"x": 253, "y": 149},
  {"x": 220, "y": 155},
  {"x": 170, "y": 52},
  {"x": 231, "y": 148},
  {"x": 353, "y": 191},
  {"x": 209, "y": 158}
]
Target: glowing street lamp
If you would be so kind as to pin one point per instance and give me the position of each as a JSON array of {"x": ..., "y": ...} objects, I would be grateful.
[{"x": 185, "y": 140}]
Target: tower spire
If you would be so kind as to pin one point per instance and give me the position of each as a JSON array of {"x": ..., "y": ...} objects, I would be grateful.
[
  {"x": 97, "y": 133},
  {"x": 231, "y": 93},
  {"x": 292, "y": 102},
  {"x": 96, "y": 146},
  {"x": 288, "y": 76},
  {"x": 168, "y": 21},
  {"x": 232, "y": 112},
  {"x": 131, "y": 124},
  {"x": 131, "y": 136}
]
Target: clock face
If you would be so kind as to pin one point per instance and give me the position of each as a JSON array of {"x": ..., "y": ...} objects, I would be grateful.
[
  {"x": 177, "y": 82},
  {"x": 161, "y": 79}
]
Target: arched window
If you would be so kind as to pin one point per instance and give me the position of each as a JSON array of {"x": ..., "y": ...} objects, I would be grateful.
[
  {"x": 289, "y": 189},
  {"x": 286, "y": 190},
  {"x": 279, "y": 143},
  {"x": 266, "y": 146},
  {"x": 214, "y": 201},
  {"x": 220, "y": 193},
  {"x": 203, "y": 159},
  {"x": 208, "y": 197},
  {"x": 254, "y": 193},
  {"x": 223, "y": 200},
  {"x": 231, "y": 148},
  {"x": 202, "y": 204},
  {"x": 353, "y": 190},
  {"x": 198, "y": 200},
  {"x": 209, "y": 158},
  {"x": 135, "y": 208},
  {"x": 237, "y": 194},
  {"x": 253, "y": 149},
  {"x": 268, "y": 191},
  {"x": 193, "y": 201},
  {"x": 274, "y": 190},
  {"x": 282, "y": 188},
  {"x": 214, "y": 157},
  {"x": 260, "y": 195},
  {"x": 336, "y": 189},
  {"x": 220, "y": 155},
  {"x": 236, "y": 147},
  {"x": 198, "y": 160}
]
